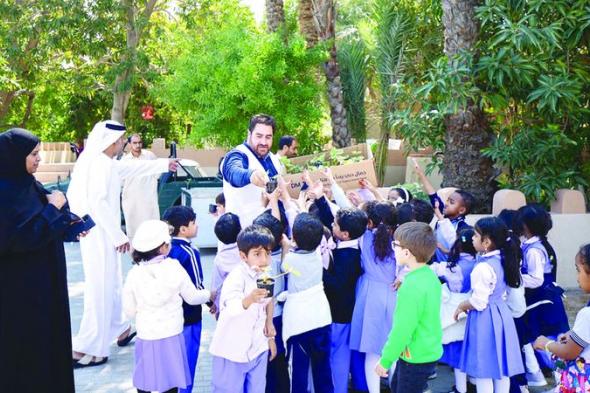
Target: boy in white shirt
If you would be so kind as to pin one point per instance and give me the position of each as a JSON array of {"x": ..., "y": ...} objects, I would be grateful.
[{"x": 245, "y": 332}]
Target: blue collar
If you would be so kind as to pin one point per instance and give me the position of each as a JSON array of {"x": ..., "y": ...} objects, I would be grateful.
[{"x": 176, "y": 239}]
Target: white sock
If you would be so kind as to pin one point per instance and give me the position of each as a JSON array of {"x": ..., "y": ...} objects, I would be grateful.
[
  {"x": 532, "y": 365},
  {"x": 460, "y": 381},
  {"x": 484, "y": 385},
  {"x": 373, "y": 380},
  {"x": 502, "y": 385}
]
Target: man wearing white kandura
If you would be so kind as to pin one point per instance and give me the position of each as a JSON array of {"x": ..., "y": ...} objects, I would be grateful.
[
  {"x": 95, "y": 190},
  {"x": 140, "y": 193}
]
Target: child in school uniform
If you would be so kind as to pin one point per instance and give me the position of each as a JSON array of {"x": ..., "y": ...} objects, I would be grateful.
[
  {"x": 277, "y": 373},
  {"x": 306, "y": 313},
  {"x": 490, "y": 351},
  {"x": 372, "y": 316},
  {"x": 183, "y": 220},
  {"x": 340, "y": 285},
  {"x": 244, "y": 335},
  {"x": 450, "y": 214},
  {"x": 154, "y": 292},
  {"x": 227, "y": 258},
  {"x": 545, "y": 313},
  {"x": 572, "y": 349},
  {"x": 415, "y": 339},
  {"x": 455, "y": 273}
]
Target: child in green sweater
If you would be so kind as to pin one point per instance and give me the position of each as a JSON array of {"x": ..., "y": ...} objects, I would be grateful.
[{"x": 415, "y": 339}]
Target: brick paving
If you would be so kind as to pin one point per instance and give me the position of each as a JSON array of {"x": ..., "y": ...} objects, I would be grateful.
[{"x": 115, "y": 375}]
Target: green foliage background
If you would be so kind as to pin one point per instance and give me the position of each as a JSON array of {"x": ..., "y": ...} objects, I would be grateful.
[{"x": 220, "y": 78}]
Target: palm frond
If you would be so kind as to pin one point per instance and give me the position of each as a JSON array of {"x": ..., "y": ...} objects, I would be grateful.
[{"x": 353, "y": 59}]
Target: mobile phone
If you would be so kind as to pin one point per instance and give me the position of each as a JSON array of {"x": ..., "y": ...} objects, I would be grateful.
[
  {"x": 271, "y": 185},
  {"x": 88, "y": 223},
  {"x": 212, "y": 208},
  {"x": 78, "y": 226}
]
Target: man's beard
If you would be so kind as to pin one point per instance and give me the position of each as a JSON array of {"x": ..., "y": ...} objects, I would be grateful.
[{"x": 259, "y": 148}]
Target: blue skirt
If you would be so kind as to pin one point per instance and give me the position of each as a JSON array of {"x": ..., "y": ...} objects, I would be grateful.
[
  {"x": 548, "y": 317},
  {"x": 490, "y": 347},
  {"x": 452, "y": 354},
  {"x": 161, "y": 365}
]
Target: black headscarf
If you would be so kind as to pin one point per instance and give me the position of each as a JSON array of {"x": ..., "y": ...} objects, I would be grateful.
[
  {"x": 21, "y": 196},
  {"x": 15, "y": 145}
]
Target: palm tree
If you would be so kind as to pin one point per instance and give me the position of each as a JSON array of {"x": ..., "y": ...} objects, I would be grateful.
[
  {"x": 467, "y": 131},
  {"x": 354, "y": 61},
  {"x": 317, "y": 20},
  {"x": 393, "y": 30},
  {"x": 275, "y": 15}
]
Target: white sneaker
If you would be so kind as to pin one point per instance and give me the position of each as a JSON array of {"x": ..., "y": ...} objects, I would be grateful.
[
  {"x": 524, "y": 389},
  {"x": 536, "y": 379}
]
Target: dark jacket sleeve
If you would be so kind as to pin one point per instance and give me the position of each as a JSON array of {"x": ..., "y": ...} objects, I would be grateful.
[
  {"x": 324, "y": 212},
  {"x": 44, "y": 228},
  {"x": 235, "y": 169}
]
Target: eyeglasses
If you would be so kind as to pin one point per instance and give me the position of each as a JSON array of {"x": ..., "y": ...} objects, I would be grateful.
[{"x": 395, "y": 244}]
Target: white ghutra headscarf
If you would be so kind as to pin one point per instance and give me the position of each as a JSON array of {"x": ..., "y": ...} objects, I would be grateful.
[{"x": 104, "y": 134}]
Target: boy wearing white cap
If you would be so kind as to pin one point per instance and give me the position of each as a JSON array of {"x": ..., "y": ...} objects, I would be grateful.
[{"x": 153, "y": 293}]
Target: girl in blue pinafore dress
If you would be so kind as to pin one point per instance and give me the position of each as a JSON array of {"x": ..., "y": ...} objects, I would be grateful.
[
  {"x": 545, "y": 313},
  {"x": 372, "y": 316},
  {"x": 456, "y": 274},
  {"x": 490, "y": 351}
]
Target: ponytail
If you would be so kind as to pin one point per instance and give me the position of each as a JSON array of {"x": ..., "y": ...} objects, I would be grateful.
[
  {"x": 511, "y": 262},
  {"x": 463, "y": 244},
  {"x": 382, "y": 241},
  {"x": 505, "y": 241},
  {"x": 552, "y": 256},
  {"x": 383, "y": 216}
]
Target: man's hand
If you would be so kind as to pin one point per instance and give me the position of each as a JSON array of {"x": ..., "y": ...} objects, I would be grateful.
[
  {"x": 259, "y": 178},
  {"x": 57, "y": 199},
  {"x": 256, "y": 296},
  {"x": 380, "y": 370},
  {"x": 173, "y": 164},
  {"x": 123, "y": 248}
]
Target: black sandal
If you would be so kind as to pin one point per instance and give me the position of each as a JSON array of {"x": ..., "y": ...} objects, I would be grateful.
[
  {"x": 124, "y": 342},
  {"x": 86, "y": 361}
]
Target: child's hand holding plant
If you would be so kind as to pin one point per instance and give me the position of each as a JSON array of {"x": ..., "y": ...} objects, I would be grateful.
[{"x": 256, "y": 296}]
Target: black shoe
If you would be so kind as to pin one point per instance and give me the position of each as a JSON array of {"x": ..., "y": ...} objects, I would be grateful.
[
  {"x": 86, "y": 361},
  {"x": 124, "y": 342}
]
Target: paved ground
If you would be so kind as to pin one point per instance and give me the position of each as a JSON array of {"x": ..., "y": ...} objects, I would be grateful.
[{"x": 115, "y": 375}]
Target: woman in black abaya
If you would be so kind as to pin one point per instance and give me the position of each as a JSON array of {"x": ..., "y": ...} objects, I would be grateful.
[{"x": 35, "y": 338}]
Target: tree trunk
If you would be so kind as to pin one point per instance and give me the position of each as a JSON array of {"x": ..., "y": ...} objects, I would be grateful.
[
  {"x": 275, "y": 15},
  {"x": 340, "y": 133},
  {"x": 136, "y": 22},
  {"x": 467, "y": 131},
  {"x": 317, "y": 20},
  {"x": 306, "y": 22}
]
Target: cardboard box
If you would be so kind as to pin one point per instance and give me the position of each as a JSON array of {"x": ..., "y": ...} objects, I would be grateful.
[{"x": 347, "y": 176}]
